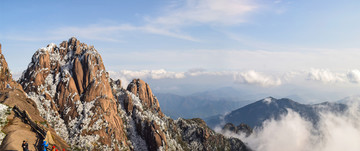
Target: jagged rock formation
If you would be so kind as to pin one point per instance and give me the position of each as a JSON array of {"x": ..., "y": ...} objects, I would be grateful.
[
  {"x": 143, "y": 91},
  {"x": 73, "y": 92},
  {"x": 16, "y": 129},
  {"x": 149, "y": 129},
  {"x": 200, "y": 137}
]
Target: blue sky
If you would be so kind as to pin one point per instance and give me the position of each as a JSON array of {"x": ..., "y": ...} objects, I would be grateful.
[{"x": 263, "y": 44}]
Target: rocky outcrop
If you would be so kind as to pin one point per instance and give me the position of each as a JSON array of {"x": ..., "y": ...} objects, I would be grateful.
[
  {"x": 240, "y": 129},
  {"x": 153, "y": 135},
  {"x": 200, "y": 137},
  {"x": 143, "y": 91},
  {"x": 72, "y": 90},
  {"x": 159, "y": 132}
]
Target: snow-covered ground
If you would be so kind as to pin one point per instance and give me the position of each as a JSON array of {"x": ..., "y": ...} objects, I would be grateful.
[{"x": 4, "y": 112}]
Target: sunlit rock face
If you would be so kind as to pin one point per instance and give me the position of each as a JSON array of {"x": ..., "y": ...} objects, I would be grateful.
[{"x": 72, "y": 91}]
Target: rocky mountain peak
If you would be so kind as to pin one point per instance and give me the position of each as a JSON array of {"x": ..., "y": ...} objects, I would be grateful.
[
  {"x": 143, "y": 91},
  {"x": 71, "y": 88}
]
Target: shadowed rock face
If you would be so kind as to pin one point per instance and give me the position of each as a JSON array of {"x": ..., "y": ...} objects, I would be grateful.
[
  {"x": 240, "y": 129},
  {"x": 195, "y": 131},
  {"x": 72, "y": 90}
]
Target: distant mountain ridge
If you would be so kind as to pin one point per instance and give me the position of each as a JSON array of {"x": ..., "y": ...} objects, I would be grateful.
[
  {"x": 256, "y": 113},
  {"x": 200, "y": 105}
]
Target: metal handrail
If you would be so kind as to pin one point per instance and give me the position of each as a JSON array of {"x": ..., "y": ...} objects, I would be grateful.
[{"x": 27, "y": 119}]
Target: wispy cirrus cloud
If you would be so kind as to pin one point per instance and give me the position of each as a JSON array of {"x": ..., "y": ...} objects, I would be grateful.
[
  {"x": 109, "y": 33},
  {"x": 115, "y": 32},
  {"x": 213, "y": 12},
  {"x": 169, "y": 23},
  {"x": 176, "y": 16}
]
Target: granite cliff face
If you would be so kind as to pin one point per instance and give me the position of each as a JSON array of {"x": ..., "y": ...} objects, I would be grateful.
[
  {"x": 74, "y": 94},
  {"x": 72, "y": 91}
]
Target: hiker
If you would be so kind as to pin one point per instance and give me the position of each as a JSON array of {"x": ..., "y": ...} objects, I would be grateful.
[
  {"x": 45, "y": 145},
  {"x": 53, "y": 148},
  {"x": 25, "y": 146}
]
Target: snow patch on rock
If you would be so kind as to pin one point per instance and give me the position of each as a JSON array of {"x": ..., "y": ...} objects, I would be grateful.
[{"x": 267, "y": 100}]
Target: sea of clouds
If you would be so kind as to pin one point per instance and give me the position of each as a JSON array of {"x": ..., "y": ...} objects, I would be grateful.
[{"x": 334, "y": 132}]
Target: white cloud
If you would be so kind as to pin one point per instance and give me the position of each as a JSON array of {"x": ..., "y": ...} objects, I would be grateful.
[
  {"x": 126, "y": 75},
  {"x": 256, "y": 78},
  {"x": 219, "y": 12},
  {"x": 292, "y": 132},
  {"x": 288, "y": 76},
  {"x": 201, "y": 72},
  {"x": 353, "y": 76},
  {"x": 240, "y": 60},
  {"x": 249, "y": 77},
  {"x": 289, "y": 133},
  {"x": 153, "y": 74},
  {"x": 325, "y": 76},
  {"x": 307, "y": 78}
]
